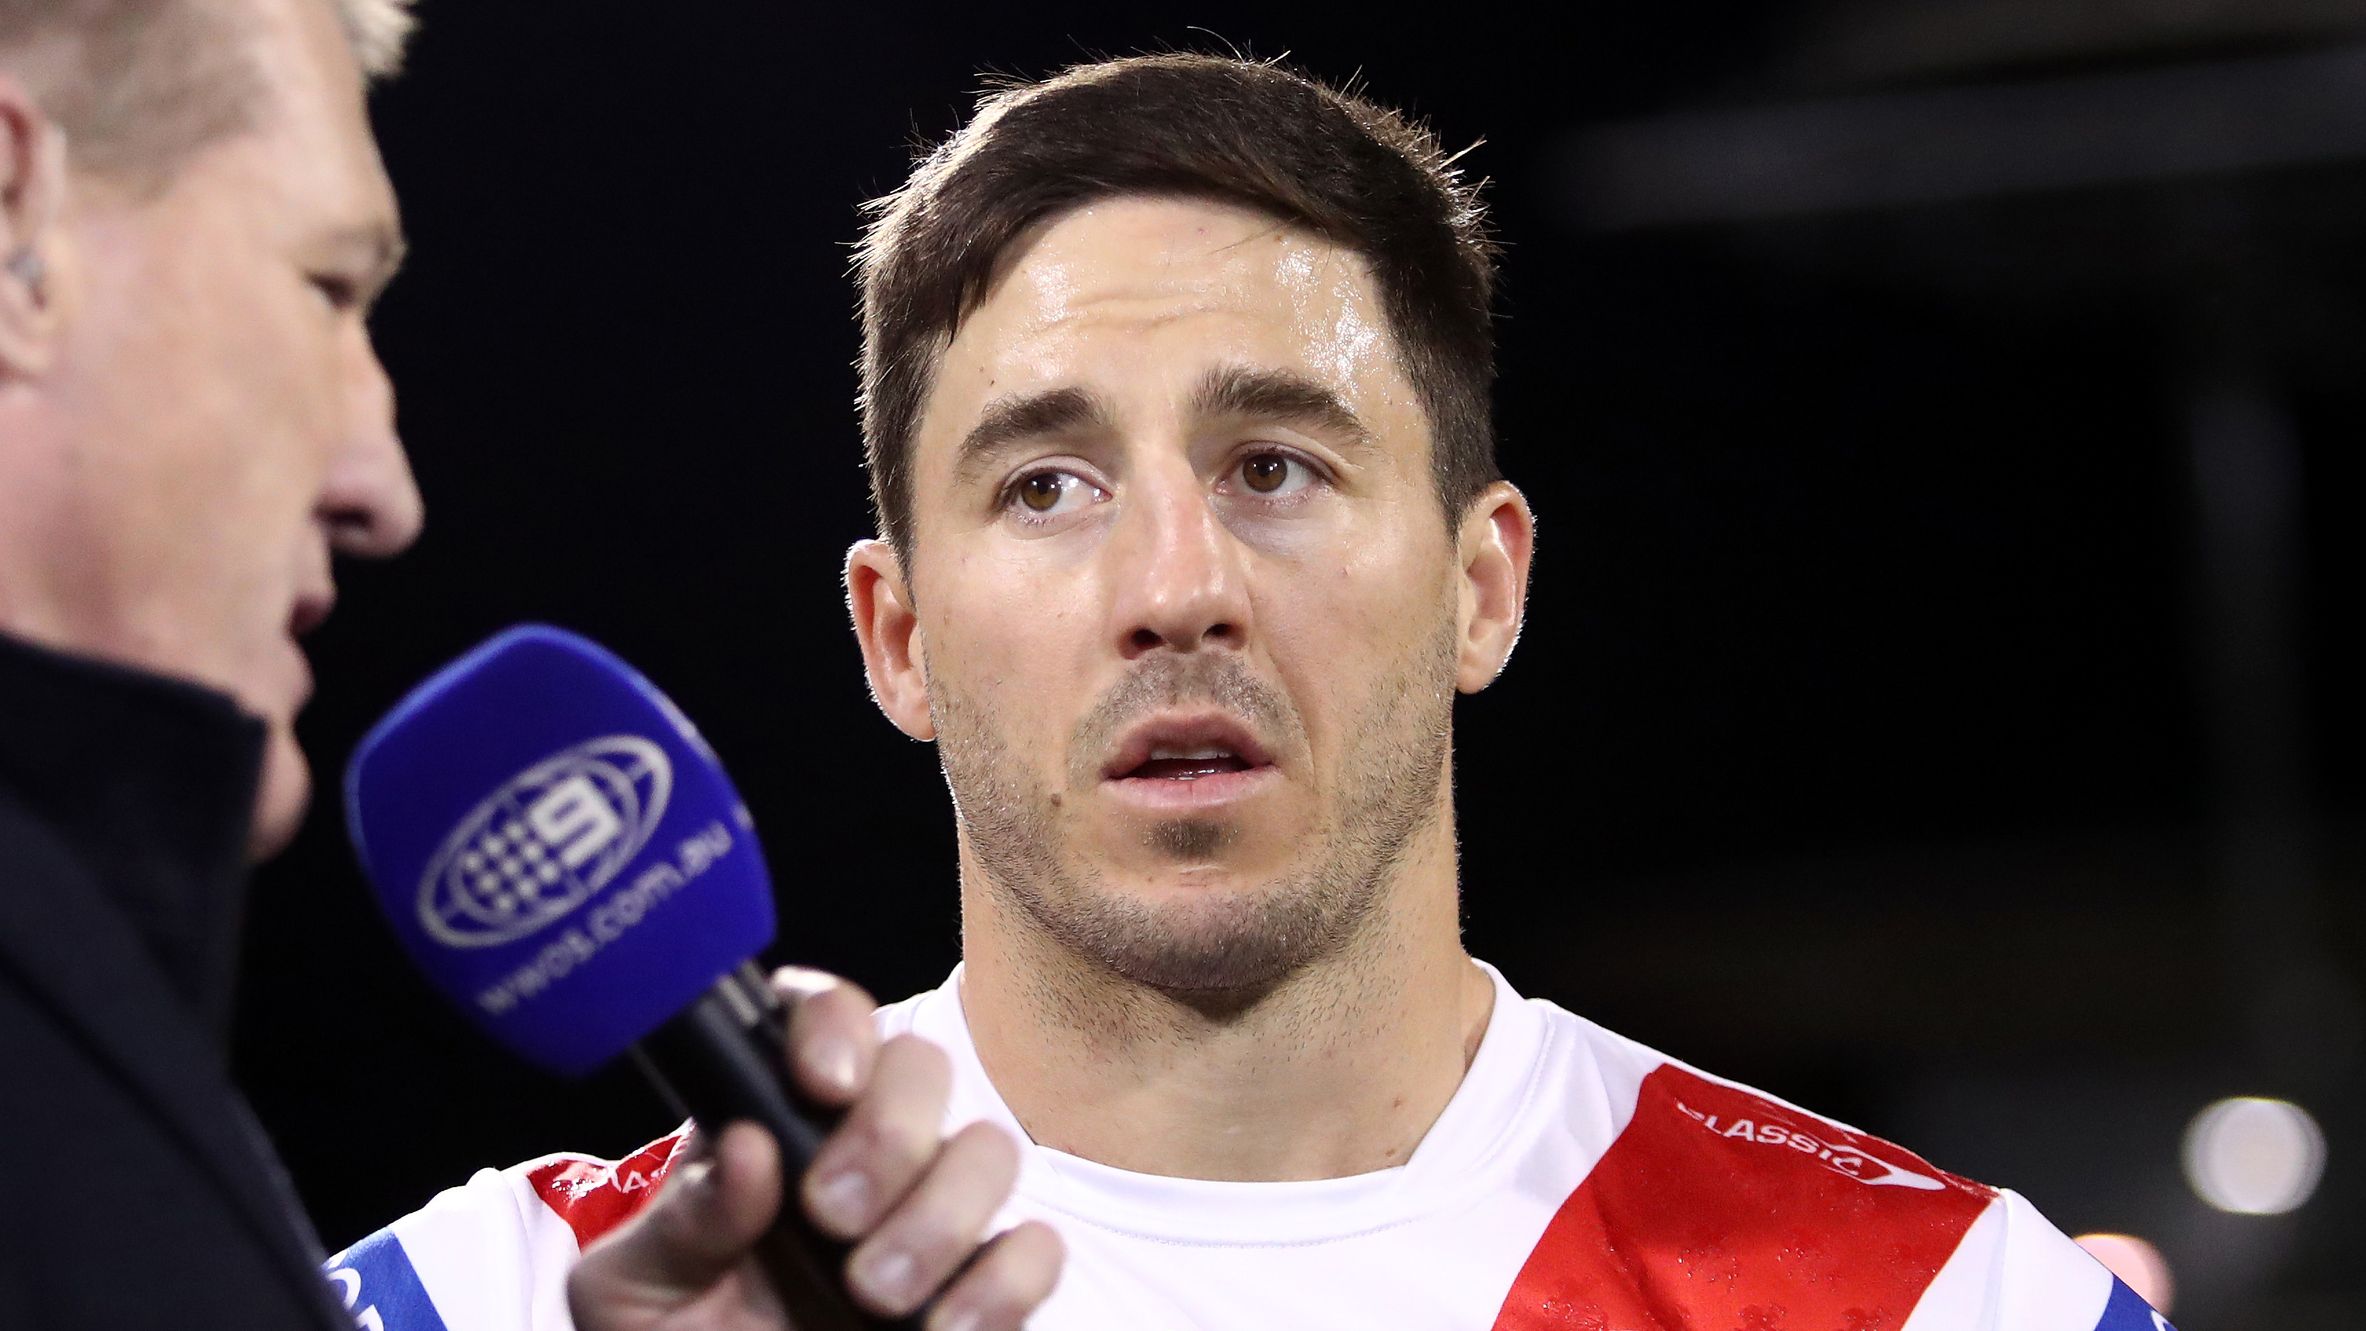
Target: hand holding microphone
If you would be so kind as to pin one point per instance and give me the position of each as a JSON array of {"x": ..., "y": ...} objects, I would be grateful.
[
  {"x": 690, "y": 1249},
  {"x": 562, "y": 854}
]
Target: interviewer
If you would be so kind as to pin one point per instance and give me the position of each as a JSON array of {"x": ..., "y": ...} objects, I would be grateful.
[{"x": 193, "y": 225}]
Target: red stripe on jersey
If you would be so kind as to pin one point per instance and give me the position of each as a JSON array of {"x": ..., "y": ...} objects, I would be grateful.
[
  {"x": 594, "y": 1196},
  {"x": 1718, "y": 1210}
]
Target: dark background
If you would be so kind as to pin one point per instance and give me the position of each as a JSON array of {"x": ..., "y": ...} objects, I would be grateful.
[{"x": 1936, "y": 705}]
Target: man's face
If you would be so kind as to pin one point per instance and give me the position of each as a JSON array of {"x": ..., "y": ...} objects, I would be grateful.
[
  {"x": 227, "y": 421},
  {"x": 1189, "y": 618}
]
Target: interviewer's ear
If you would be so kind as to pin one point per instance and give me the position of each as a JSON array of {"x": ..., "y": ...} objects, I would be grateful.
[
  {"x": 32, "y": 189},
  {"x": 894, "y": 659},
  {"x": 1498, "y": 535}
]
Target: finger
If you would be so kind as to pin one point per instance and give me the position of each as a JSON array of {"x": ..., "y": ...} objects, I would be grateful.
[
  {"x": 833, "y": 1039},
  {"x": 1008, "y": 1281},
  {"x": 701, "y": 1225},
  {"x": 929, "y": 1234},
  {"x": 878, "y": 1151}
]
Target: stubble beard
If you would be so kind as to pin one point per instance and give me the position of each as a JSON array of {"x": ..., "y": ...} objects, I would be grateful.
[{"x": 1220, "y": 944}]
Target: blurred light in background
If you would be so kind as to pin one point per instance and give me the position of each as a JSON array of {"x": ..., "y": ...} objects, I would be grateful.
[
  {"x": 2138, "y": 1264},
  {"x": 2254, "y": 1156}
]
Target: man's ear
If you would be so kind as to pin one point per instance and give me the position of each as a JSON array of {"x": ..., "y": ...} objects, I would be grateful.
[
  {"x": 1498, "y": 535},
  {"x": 894, "y": 658},
  {"x": 32, "y": 196}
]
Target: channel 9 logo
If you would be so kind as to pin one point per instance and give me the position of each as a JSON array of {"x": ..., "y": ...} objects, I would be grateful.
[{"x": 544, "y": 842}]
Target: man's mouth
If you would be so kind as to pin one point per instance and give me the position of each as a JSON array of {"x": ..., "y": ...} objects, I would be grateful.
[
  {"x": 1186, "y": 748},
  {"x": 1165, "y": 764}
]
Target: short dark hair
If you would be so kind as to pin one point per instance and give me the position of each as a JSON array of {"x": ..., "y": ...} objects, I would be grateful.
[{"x": 1249, "y": 133}]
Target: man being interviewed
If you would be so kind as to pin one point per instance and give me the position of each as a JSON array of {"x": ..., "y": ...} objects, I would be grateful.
[{"x": 1176, "y": 379}]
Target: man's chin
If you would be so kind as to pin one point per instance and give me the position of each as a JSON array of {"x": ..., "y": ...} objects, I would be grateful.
[
  {"x": 281, "y": 796},
  {"x": 1193, "y": 845},
  {"x": 1209, "y": 932},
  {"x": 1205, "y": 860}
]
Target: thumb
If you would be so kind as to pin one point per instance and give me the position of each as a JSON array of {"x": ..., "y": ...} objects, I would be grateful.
[{"x": 702, "y": 1225}]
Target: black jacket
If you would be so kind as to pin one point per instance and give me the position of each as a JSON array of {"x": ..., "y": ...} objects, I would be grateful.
[{"x": 135, "y": 1190}]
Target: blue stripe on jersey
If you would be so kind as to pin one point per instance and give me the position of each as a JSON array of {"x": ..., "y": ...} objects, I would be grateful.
[
  {"x": 381, "y": 1290},
  {"x": 2127, "y": 1312}
]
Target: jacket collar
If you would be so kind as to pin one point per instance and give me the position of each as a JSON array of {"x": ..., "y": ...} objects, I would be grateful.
[
  {"x": 150, "y": 783},
  {"x": 120, "y": 904}
]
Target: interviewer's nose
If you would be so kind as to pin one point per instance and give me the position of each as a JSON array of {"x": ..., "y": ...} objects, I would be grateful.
[{"x": 370, "y": 501}]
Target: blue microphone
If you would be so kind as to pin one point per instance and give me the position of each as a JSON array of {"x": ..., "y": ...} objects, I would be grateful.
[{"x": 564, "y": 857}]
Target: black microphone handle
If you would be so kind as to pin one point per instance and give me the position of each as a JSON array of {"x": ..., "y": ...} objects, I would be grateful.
[{"x": 720, "y": 1060}]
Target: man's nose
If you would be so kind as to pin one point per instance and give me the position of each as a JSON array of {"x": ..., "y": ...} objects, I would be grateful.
[
  {"x": 1179, "y": 577},
  {"x": 370, "y": 502}
]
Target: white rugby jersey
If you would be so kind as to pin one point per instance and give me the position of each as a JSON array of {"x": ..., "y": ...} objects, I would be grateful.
[{"x": 1576, "y": 1182}]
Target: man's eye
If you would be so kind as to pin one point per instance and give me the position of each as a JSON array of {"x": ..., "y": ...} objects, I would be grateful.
[
  {"x": 1274, "y": 474},
  {"x": 339, "y": 293},
  {"x": 1046, "y": 494}
]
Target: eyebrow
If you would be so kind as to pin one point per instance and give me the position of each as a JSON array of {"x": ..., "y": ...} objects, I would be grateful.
[
  {"x": 1234, "y": 391},
  {"x": 383, "y": 242},
  {"x": 1278, "y": 395},
  {"x": 1029, "y": 416}
]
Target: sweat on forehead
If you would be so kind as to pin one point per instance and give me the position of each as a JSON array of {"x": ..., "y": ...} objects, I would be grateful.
[{"x": 1117, "y": 298}]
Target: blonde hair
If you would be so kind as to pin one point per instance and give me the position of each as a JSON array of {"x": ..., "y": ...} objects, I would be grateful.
[
  {"x": 379, "y": 31},
  {"x": 140, "y": 85}
]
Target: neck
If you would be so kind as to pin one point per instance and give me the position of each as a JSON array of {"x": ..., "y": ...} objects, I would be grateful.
[{"x": 1338, "y": 1069}]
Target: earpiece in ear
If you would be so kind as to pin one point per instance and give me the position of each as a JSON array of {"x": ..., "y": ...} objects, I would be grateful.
[{"x": 26, "y": 266}]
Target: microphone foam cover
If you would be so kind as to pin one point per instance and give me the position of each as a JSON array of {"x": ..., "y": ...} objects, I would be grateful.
[{"x": 556, "y": 847}]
